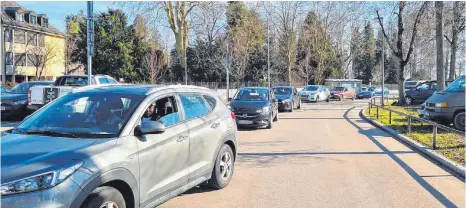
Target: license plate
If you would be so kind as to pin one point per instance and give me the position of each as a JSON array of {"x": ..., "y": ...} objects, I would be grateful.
[
  {"x": 244, "y": 122},
  {"x": 3, "y": 108}
]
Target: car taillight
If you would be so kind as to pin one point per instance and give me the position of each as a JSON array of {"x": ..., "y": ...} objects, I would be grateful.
[
  {"x": 29, "y": 96},
  {"x": 233, "y": 115}
]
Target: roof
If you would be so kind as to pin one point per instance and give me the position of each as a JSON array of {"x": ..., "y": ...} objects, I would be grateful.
[
  {"x": 282, "y": 87},
  {"x": 139, "y": 89},
  {"x": 8, "y": 21},
  {"x": 265, "y": 88},
  {"x": 343, "y": 80}
]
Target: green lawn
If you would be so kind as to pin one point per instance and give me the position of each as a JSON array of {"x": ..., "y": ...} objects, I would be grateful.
[{"x": 450, "y": 145}]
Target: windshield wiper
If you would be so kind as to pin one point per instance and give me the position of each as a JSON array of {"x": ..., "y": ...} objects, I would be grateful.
[{"x": 53, "y": 133}]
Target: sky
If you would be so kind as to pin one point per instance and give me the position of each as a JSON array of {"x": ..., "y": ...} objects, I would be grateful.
[{"x": 58, "y": 10}]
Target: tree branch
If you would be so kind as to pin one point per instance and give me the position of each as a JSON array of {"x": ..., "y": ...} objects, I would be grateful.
[
  {"x": 390, "y": 45},
  {"x": 448, "y": 39},
  {"x": 418, "y": 19}
]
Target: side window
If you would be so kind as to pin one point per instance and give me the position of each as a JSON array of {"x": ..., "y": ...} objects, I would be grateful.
[
  {"x": 164, "y": 110},
  {"x": 211, "y": 101},
  {"x": 112, "y": 81},
  {"x": 193, "y": 105},
  {"x": 103, "y": 80}
]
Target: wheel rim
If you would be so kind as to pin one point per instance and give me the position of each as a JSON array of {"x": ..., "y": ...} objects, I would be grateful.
[
  {"x": 461, "y": 120},
  {"x": 226, "y": 163},
  {"x": 408, "y": 100},
  {"x": 109, "y": 204}
]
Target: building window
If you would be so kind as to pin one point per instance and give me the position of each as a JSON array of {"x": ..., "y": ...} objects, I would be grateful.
[
  {"x": 33, "y": 19},
  {"x": 41, "y": 40},
  {"x": 46, "y": 22},
  {"x": 12, "y": 14},
  {"x": 8, "y": 35},
  {"x": 19, "y": 36},
  {"x": 8, "y": 58},
  {"x": 19, "y": 17},
  {"x": 32, "y": 38},
  {"x": 20, "y": 59}
]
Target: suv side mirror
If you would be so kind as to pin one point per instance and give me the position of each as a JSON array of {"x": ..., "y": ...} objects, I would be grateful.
[
  {"x": 229, "y": 99},
  {"x": 151, "y": 127}
]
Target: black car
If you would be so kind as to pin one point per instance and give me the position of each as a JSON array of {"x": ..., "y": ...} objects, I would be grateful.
[
  {"x": 14, "y": 102},
  {"x": 288, "y": 98},
  {"x": 254, "y": 107}
]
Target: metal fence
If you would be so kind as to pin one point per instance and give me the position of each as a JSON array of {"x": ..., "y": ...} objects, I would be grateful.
[
  {"x": 235, "y": 85},
  {"x": 411, "y": 119}
]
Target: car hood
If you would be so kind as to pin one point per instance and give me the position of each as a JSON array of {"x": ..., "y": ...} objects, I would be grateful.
[
  {"x": 308, "y": 92},
  {"x": 453, "y": 99},
  {"x": 283, "y": 97},
  {"x": 334, "y": 92},
  {"x": 13, "y": 97},
  {"x": 27, "y": 155},
  {"x": 253, "y": 105}
]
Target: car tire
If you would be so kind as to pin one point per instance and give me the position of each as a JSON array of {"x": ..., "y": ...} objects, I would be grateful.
[
  {"x": 458, "y": 121},
  {"x": 339, "y": 98},
  {"x": 299, "y": 105},
  {"x": 292, "y": 107},
  {"x": 409, "y": 100},
  {"x": 317, "y": 99},
  {"x": 104, "y": 195},
  {"x": 328, "y": 99},
  {"x": 276, "y": 117},
  {"x": 353, "y": 98},
  {"x": 222, "y": 174},
  {"x": 269, "y": 126}
]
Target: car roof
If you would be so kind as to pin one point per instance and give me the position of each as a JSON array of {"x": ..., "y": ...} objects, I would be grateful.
[
  {"x": 264, "y": 88},
  {"x": 139, "y": 89},
  {"x": 282, "y": 87}
]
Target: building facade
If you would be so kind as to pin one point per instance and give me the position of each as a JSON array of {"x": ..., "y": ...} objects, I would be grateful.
[{"x": 33, "y": 48}]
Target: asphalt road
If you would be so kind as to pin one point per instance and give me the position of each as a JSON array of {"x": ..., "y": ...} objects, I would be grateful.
[{"x": 326, "y": 156}]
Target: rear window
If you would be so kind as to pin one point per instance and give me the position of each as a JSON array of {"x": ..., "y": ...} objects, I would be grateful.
[
  {"x": 103, "y": 80},
  {"x": 73, "y": 81},
  {"x": 211, "y": 101},
  {"x": 193, "y": 105}
]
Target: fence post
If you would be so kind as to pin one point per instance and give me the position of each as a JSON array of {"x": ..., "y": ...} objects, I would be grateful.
[
  {"x": 377, "y": 112},
  {"x": 434, "y": 142},
  {"x": 390, "y": 117},
  {"x": 409, "y": 124},
  {"x": 370, "y": 106}
]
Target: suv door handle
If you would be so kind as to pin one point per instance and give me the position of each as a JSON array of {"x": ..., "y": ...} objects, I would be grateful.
[
  {"x": 182, "y": 138},
  {"x": 215, "y": 125}
]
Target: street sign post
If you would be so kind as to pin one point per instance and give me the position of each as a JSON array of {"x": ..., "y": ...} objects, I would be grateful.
[{"x": 90, "y": 39}]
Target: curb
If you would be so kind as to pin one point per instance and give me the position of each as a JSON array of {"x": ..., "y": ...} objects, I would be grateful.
[{"x": 453, "y": 166}]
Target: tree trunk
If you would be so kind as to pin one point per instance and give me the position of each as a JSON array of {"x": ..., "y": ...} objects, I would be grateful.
[
  {"x": 399, "y": 54},
  {"x": 454, "y": 46},
  {"x": 439, "y": 44},
  {"x": 445, "y": 66}
]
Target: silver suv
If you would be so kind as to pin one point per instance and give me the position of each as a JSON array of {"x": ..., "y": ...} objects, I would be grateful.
[{"x": 118, "y": 146}]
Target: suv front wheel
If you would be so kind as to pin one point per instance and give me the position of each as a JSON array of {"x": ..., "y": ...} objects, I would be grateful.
[
  {"x": 104, "y": 197},
  {"x": 223, "y": 169},
  {"x": 458, "y": 121}
]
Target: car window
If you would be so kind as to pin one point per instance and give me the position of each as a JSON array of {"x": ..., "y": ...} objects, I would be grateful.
[
  {"x": 423, "y": 87},
  {"x": 73, "y": 81},
  {"x": 193, "y": 105},
  {"x": 457, "y": 86},
  {"x": 434, "y": 86},
  {"x": 211, "y": 101},
  {"x": 103, "y": 80},
  {"x": 86, "y": 114},
  {"x": 282, "y": 90},
  {"x": 164, "y": 110},
  {"x": 252, "y": 94},
  {"x": 111, "y": 81}
]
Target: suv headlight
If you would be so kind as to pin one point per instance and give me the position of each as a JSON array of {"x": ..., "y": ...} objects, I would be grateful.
[
  {"x": 229, "y": 107},
  {"x": 20, "y": 102},
  {"x": 264, "y": 111},
  {"x": 441, "y": 105},
  {"x": 39, "y": 182}
]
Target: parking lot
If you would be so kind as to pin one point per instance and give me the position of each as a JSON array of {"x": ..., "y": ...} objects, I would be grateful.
[{"x": 325, "y": 155}]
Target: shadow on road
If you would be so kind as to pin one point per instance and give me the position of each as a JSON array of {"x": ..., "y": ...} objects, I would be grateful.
[
  {"x": 419, "y": 179},
  {"x": 198, "y": 190},
  {"x": 297, "y": 118}
]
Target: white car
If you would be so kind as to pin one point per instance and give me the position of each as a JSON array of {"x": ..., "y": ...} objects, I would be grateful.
[
  {"x": 38, "y": 96},
  {"x": 315, "y": 93}
]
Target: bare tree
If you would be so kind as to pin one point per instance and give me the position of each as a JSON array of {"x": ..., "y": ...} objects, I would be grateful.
[
  {"x": 398, "y": 50},
  {"x": 439, "y": 44},
  {"x": 41, "y": 56},
  {"x": 456, "y": 28},
  {"x": 154, "y": 63}
]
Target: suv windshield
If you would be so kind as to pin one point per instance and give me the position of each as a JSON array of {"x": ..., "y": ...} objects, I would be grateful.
[
  {"x": 411, "y": 83},
  {"x": 252, "y": 94},
  {"x": 20, "y": 89},
  {"x": 457, "y": 85},
  {"x": 311, "y": 88},
  {"x": 338, "y": 89},
  {"x": 282, "y": 91},
  {"x": 85, "y": 114},
  {"x": 371, "y": 89}
]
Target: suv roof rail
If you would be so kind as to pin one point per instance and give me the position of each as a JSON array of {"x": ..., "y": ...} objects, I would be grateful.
[{"x": 178, "y": 87}]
